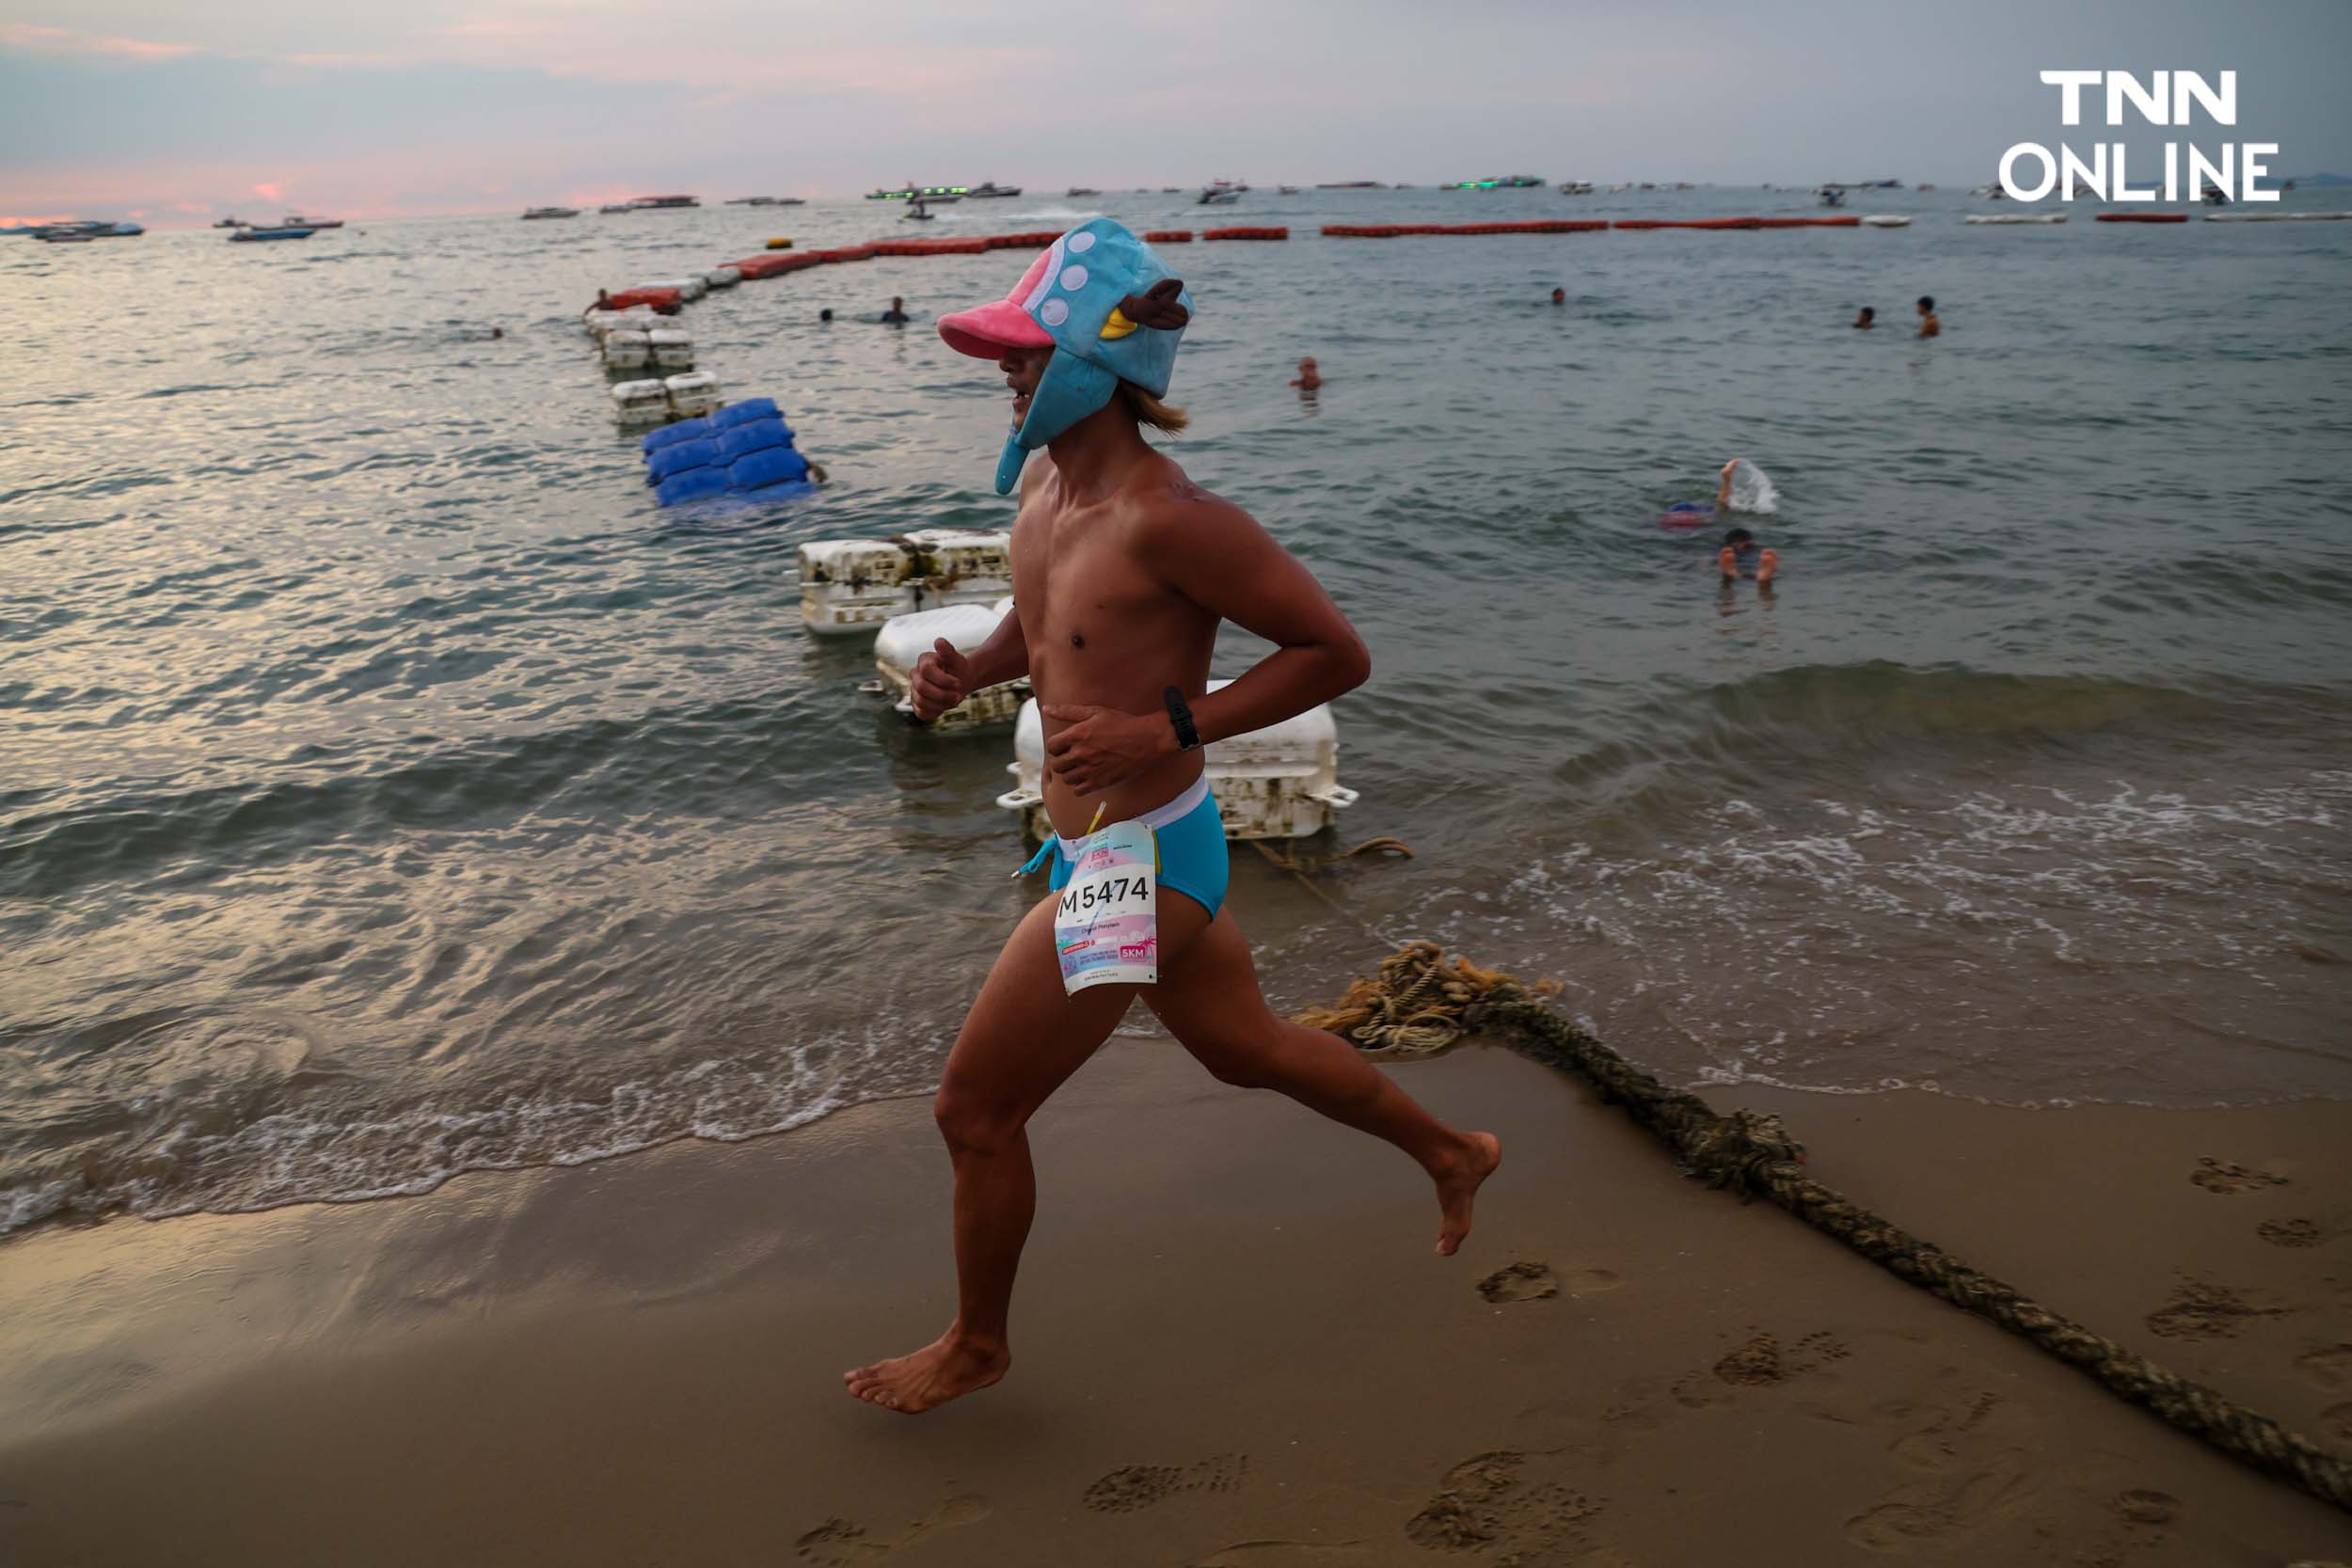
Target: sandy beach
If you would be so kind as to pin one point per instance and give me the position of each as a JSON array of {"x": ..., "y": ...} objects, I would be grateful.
[{"x": 1233, "y": 1348}]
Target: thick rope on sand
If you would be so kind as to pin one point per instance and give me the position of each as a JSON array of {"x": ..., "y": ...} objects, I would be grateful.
[{"x": 1420, "y": 1004}]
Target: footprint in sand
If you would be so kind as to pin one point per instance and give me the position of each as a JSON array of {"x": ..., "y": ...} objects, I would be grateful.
[
  {"x": 1520, "y": 1282},
  {"x": 2203, "y": 1310},
  {"x": 1759, "y": 1362},
  {"x": 2290, "y": 1232},
  {"x": 840, "y": 1544},
  {"x": 1134, "y": 1487},
  {"x": 2227, "y": 1176},
  {"x": 1980, "y": 1465},
  {"x": 2330, "y": 1368},
  {"x": 1486, "y": 1501}
]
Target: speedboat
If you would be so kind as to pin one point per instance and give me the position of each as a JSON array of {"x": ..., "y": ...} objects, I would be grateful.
[
  {"x": 1497, "y": 183},
  {"x": 1213, "y": 196},
  {"x": 918, "y": 213},
  {"x": 2214, "y": 196},
  {"x": 989, "y": 190},
  {"x": 1831, "y": 196},
  {"x": 618, "y": 207},
  {"x": 938, "y": 196},
  {"x": 84, "y": 228},
  {"x": 1082, "y": 190},
  {"x": 552, "y": 212},
  {"x": 660, "y": 203},
  {"x": 1286, "y": 190},
  {"x": 230, "y": 223},
  {"x": 271, "y": 234},
  {"x": 1576, "y": 187},
  {"x": 295, "y": 220}
]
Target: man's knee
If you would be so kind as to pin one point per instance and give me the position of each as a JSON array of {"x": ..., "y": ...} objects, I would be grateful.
[
  {"x": 1233, "y": 1062},
  {"x": 974, "y": 1124}
]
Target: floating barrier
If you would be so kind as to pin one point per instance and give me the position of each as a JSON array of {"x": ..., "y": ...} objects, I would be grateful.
[
  {"x": 1885, "y": 220},
  {"x": 2142, "y": 218},
  {"x": 672, "y": 349},
  {"x": 723, "y": 278},
  {"x": 905, "y": 639},
  {"x": 2276, "y": 217},
  {"x": 688, "y": 290},
  {"x": 1166, "y": 236},
  {"x": 750, "y": 456},
  {"x": 656, "y": 297},
  {"x": 1280, "y": 782},
  {"x": 1689, "y": 223},
  {"x": 2014, "y": 217},
  {"x": 1849, "y": 221},
  {"x": 1244, "y": 233},
  {"x": 1426, "y": 231},
  {"x": 851, "y": 586}
]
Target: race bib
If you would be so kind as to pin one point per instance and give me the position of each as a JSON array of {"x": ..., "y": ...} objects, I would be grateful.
[{"x": 1106, "y": 926}]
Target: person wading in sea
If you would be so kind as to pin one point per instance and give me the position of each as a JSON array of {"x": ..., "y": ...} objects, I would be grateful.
[{"x": 1123, "y": 570}]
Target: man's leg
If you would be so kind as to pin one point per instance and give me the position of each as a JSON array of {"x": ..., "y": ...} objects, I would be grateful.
[
  {"x": 1023, "y": 1038},
  {"x": 1209, "y": 999}
]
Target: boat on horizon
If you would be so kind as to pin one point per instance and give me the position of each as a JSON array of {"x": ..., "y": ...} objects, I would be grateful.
[
  {"x": 230, "y": 222},
  {"x": 295, "y": 220},
  {"x": 552, "y": 212},
  {"x": 1576, "y": 187},
  {"x": 1082, "y": 190},
  {"x": 280, "y": 233},
  {"x": 1350, "y": 186},
  {"x": 989, "y": 190},
  {"x": 1498, "y": 182},
  {"x": 938, "y": 196},
  {"x": 663, "y": 203},
  {"x": 79, "y": 229}
]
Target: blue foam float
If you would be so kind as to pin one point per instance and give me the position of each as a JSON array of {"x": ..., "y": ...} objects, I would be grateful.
[{"x": 744, "y": 450}]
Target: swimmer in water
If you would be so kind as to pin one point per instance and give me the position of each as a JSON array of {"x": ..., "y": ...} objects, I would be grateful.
[
  {"x": 1699, "y": 514},
  {"x": 1928, "y": 326},
  {"x": 1739, "y": 549},
  {"x": 896, "y": 314},
  {"x": 1559, "y": 297},
  {"x": 1309, "y": 377},
  {"x": 1865, "y": 321}
]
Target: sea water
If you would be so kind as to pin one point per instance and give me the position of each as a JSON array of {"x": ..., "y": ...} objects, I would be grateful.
[{"x": 387, "y": 787}]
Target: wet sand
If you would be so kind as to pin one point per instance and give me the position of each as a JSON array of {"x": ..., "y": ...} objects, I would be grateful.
[{"x": 1233, "y": 1348}]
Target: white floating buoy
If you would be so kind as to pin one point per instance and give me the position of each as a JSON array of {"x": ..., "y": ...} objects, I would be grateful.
[
  {"x": 723, "y": 277},
  {"x": 850, "y": 586},
  {"x": 904, "y": 638},
  {"x": 2014, "y": 217},
  {"x": 1280, "y": 782},
  {"x": 641, "y": 402},
  {"x": 1885, "y": 220},
  {"x": 688, "y": 288},
  {"x": 673, "y": 350},
  {"x": 693, "y": 394},
  {"x": 628, "y": 351}
]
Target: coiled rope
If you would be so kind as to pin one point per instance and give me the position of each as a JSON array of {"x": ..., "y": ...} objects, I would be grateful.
[{"x": 1420, "y": 1004}]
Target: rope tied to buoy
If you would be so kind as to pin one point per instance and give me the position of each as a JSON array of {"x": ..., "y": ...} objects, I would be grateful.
[{"x": 1420, "y": 1004}]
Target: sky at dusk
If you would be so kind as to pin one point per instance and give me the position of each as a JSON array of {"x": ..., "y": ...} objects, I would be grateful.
[{"x": 178, "y": 113}]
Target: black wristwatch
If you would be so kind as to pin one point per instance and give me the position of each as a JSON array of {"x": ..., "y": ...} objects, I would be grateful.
[{"x": 1187, "y": 738}]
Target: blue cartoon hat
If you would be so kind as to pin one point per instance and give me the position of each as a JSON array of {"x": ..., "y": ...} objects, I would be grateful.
[{"x": 1107, "y": 306}]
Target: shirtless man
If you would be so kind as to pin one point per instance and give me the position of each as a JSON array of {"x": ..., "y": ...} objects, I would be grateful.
[
  {"x": 1928, "y": 326},
  {"x": 1122, "y": 569}
]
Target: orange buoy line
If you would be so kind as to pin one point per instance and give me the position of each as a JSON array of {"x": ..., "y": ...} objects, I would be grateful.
[
  {"x": 2140, "y": 217},
  {"x": 1244, "y": 233},
  {"x": 1418, "y": 230}
]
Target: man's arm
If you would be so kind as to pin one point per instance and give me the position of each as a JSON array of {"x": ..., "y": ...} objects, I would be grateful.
[{"x": 1218, "y": 556}]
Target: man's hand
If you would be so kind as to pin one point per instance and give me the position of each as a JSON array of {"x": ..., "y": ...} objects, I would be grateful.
[
  {"x": 1101, "y": 748},
  {"x": 942, "y": 679}
]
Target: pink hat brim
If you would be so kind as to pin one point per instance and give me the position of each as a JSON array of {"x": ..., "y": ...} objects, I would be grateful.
[{"x": 986, "y": 331}]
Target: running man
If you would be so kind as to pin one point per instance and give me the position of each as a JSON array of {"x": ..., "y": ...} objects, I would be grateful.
[{"x": 1123, "y": 570}]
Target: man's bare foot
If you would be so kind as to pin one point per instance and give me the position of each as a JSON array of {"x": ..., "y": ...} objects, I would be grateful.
[
  {"x": 941, "y": 1370},
  {"x": 1766, "y": 565},
  {"x": 1457, "y": 1186},
  {"x": 1728, "y": 562}
]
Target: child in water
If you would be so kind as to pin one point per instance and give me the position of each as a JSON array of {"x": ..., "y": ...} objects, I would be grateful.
[
  {"x": 1310, "y": 378},
  {"x": 1738, "y": 549}
]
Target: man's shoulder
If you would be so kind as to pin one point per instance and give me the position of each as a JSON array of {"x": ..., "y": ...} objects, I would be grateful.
[{"x": 1163, "y": 495}]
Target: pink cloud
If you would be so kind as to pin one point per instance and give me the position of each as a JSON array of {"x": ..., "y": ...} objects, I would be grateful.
[
  {"x": 64, "y": 40},
  {"x": 269, "y": 192}
]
